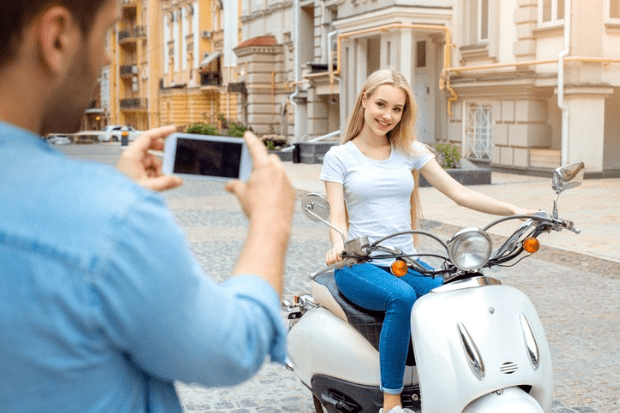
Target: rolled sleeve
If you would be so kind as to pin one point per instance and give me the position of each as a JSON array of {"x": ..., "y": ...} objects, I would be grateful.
[
  {"x": 259, "y": 294},
  {"x": 173, "y": 321}
]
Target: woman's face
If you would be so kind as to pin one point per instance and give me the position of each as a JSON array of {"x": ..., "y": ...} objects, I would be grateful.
[{"x": 383, "y": 109}]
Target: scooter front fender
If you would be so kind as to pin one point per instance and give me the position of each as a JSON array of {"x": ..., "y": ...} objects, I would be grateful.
[{"x": 511, "y": 400}]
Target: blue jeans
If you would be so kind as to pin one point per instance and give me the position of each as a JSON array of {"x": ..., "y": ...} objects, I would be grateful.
[{"x": 375, "y": 288}]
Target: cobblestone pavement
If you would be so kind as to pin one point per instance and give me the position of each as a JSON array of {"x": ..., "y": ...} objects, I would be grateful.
[{"x": 579, "y": 304}]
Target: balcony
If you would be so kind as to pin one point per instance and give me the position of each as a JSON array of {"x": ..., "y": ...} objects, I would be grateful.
[
  {"x": 134, "y": 104},
  {"x": 210, "y": 79},
  {"x": 128, "y": 70},
  {"x": 131, "y": 35}
]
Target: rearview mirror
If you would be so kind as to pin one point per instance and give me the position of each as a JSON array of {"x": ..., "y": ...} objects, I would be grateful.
[
  {"x": 567, "y": 177},
  {"x": 315, "y": 207}
]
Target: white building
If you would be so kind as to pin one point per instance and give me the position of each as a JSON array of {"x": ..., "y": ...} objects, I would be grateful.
[{"x": 520, "y": 84}]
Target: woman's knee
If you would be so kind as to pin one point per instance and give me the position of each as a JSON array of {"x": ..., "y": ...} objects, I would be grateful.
[{"x": 402, "y": 298}]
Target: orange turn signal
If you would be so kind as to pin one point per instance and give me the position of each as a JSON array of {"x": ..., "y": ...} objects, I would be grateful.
[
  {"x": 531, "y": 245},
  {"x": 399, "y": 268}
]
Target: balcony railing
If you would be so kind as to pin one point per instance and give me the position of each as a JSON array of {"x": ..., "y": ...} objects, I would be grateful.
[
  {"x": 210, "y": 79},
  {"x": 131, "y": 33},
  {"x": 128, "y": 70},
  {"x": 134, "y": 103}
]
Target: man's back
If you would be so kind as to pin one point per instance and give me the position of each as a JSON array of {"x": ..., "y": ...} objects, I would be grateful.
[
  {"x": 56, "y": 231},
  {"x": 102, "y": 303}
]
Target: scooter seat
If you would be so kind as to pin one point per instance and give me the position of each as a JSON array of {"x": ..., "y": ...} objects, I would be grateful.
[{"x": 367, "y": 322}]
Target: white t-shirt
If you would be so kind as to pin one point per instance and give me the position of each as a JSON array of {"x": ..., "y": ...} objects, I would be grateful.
[{"x": 377, "y": 193}]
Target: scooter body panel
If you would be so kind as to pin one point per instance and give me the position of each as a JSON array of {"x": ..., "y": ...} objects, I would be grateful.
[
  {"x": 321, "y": 343},
  {"x": 472, "y": 342}
]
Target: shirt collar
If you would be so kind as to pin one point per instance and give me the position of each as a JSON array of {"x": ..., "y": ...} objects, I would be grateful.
[{"x": 11, "y": 134}]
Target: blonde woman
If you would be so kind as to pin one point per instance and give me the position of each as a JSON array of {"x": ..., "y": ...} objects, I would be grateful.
[{"x": 370, "y": 181}]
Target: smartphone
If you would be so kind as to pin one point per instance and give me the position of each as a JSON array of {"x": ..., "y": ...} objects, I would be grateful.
[{"x": 219, "y": 158}]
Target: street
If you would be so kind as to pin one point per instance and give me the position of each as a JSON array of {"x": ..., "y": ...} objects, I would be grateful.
[{"x": 579, "y": 305}]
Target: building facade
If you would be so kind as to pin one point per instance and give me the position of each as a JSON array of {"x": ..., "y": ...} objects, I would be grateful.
[
  {"x": 518, "y": 84},
  {"x": 172, "y": 64},
  {"x": 132, "y": 75},
  {"x": 198, "y": 63}
]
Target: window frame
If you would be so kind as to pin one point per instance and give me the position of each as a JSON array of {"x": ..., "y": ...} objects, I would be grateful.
[
  {"x": 479, "y": 21},
  {"x": 473, "y": 147},
  {"x": 608, "y": 17},
  {"x": 554, "y": 21}
]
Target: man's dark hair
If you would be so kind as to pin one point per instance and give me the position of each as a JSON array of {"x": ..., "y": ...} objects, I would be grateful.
[{"x": 15, "y": 15}]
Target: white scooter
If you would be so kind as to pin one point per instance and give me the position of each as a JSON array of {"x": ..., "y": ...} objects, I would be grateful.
[{"x": 479, "y": 346}]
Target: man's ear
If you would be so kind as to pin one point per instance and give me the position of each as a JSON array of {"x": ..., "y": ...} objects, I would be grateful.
[{"x": 58, "y": 37}]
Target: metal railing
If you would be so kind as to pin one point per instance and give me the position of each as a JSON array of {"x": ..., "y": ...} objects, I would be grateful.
[
  {"x": 134, "y": 103},
  {"x": 132, "y": 33},
  {"x": 210, "y": 79},
  {"x": 327, "y": 136},
  {"x": 128, "y": 70},
  {"x": 320, "y": 138}
]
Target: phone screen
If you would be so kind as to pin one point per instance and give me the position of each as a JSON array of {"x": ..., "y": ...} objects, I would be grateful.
[{"x": 204, "y": 157}]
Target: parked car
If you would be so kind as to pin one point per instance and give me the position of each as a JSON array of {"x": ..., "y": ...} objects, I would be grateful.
[
  {"x": 58, "y": 140},
  {"x": 113, "y": 133}
]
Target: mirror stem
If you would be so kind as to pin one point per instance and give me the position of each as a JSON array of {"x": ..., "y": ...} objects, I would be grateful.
[
  {"x": 309, "y": 210},
  {"x": 555, "y": 205}
]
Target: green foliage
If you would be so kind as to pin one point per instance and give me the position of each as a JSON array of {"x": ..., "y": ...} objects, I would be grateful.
[
  {"x": 270, "y": 145},
  {"x": 236, "y": 130},
  {"x": 448, "y": 155},
  {"x": 202, "y": 129}
]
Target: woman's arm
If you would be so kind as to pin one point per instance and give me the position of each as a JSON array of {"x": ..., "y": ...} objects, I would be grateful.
[
  {"x": 465, "y": 197},
  {"x": 338, "y": 218}
]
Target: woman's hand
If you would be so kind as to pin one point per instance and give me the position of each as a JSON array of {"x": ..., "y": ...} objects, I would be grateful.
[
  {"x": 522, "y": 211},
  {"x": 334, "y": 255}
]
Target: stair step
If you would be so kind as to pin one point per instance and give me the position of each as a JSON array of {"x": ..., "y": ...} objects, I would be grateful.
[{"x": 545, "y": 158}]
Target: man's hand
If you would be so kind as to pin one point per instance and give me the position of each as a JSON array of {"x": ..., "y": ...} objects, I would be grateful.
[{"x": 145, "y": 168}]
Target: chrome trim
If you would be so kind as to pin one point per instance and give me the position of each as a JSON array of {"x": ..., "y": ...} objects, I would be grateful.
[
  {"x": 288, "y": 364},
  {"x": 530, "y": 342},
  {"x": 479, "y": 281},
  {"x": 471, "y": 352},
  {"x": 509, "y": 367},
  {"x": 464, "y": 235}
]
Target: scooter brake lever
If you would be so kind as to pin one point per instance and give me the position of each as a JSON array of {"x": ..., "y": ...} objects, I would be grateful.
[
  {"x": 571, "y": 227},
  {"x": 347, "y": 262}
]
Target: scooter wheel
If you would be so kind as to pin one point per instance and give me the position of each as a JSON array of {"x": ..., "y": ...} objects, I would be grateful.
[{"x": 318, "y": 407}]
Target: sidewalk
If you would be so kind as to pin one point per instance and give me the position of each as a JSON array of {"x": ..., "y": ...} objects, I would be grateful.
[{"x": 594, "y": 207}]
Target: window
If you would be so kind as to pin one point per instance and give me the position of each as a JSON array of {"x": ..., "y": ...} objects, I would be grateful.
[
  {"x": 614, "y": 9},
  {"x": 551, "y": 11},
  {"x": 478, "y": 142},
  {"x": 477, "y": 13},
  {"x": 483, "y": 21},
  {"x": 421, "y": 54}
]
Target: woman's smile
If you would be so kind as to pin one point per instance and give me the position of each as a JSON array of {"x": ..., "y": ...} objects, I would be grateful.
[{"x": 384, "y": 109}]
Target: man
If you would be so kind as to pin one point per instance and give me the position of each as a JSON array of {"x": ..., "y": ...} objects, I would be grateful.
[{"x": 102, "y": 305}]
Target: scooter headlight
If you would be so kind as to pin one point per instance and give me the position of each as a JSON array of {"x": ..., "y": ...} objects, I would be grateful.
[{"x": 470, "y": 249}]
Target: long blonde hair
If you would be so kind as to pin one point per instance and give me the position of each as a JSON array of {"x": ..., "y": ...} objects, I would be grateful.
[{"x": 402, "y": 136}]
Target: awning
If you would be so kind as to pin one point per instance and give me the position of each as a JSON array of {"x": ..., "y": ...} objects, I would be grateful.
[{"x": 211, "y": 57}]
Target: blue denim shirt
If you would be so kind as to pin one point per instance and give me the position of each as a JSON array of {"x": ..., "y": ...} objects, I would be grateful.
[{"x": 102, "y": 304}]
